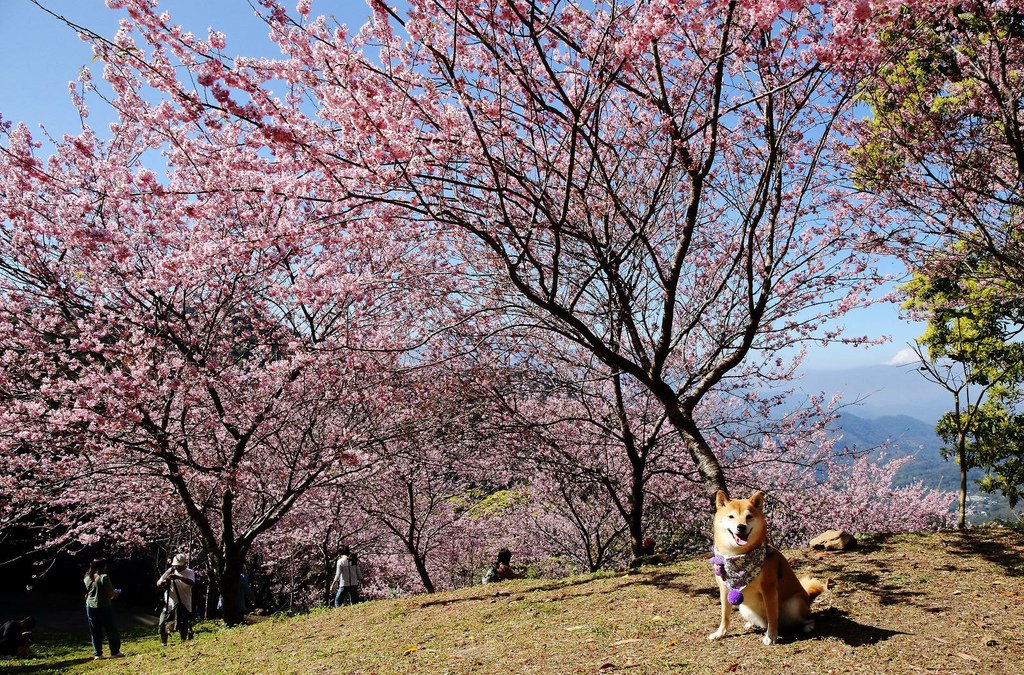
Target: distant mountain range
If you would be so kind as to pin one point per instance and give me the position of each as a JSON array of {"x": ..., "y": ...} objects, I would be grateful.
[
  {"x": 893, "y": 409},
  {"x": 894, "y": 404},
  {"x": 905, "y": 435}
]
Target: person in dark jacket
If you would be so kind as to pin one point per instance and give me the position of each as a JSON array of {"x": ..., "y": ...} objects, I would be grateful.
[
  {"x": 504, "y": 567},
  {"x": 16, "y": 638}
]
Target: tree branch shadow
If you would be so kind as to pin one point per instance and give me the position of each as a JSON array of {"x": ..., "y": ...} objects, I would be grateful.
[
  {"x": 45, "y": 665},
  {"x": 673, "y": 582},
  {"x": 1005, "y": 552},
  {"x": 887, "y": 591},
  {"x": 510, "y": 591},
  {"x": 835, "y": 623}
]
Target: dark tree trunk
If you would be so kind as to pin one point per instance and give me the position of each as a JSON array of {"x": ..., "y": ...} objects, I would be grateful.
[
  {"x": 421, "y": 568},
  {"x": 637, "y": 479},
  {"x": 636, "y": 513},
  {"x": 962, "y": 459},
  {"x": 708, "y": 467},
  {"x": 411, "y": 541},
  {"x": 229, "y": 581}
]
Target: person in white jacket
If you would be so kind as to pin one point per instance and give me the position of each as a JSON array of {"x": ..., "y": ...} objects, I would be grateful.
[
  {"x": 176, "y": 584},
  {"x": 347, "y": 577}
]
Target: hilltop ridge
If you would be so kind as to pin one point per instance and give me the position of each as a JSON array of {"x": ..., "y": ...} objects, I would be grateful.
[{"x": 897, "y": 604}]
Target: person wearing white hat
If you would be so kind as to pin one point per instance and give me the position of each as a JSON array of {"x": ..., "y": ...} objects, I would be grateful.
[{"x": 177, "y": 584}]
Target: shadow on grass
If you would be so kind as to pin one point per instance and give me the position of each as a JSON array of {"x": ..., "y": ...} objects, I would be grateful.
[
  {"x": 673, "y": 582},
  {"x": 510, "y": 591},
  {"x": 889, "y": 589},
  {"x": 662, "y": 579},
  {"x": 872, "y": 543},
  {"x": 46, "y": 666},
  {"x": 1004, "y": 551},
  {"x": 561, "y": 584},
  {"x": 889, "y": 583},
  {"x": 57, "y": 652},
  {"x": 837, "y": 624}
]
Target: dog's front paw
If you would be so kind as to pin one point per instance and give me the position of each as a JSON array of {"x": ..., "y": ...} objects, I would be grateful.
[
  {"x": 717, "y": 635},
  {"x": 769, "y": 640},
  {"x": 809, "y": 626}
]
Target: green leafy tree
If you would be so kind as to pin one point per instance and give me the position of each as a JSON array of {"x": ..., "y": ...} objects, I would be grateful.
[
  {"x": 998, "y": 446},
  {"x": 944, "y": 154},
  {"x": 972, "y": 348}
]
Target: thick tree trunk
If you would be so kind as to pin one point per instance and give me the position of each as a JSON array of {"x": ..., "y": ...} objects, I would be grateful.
[
  {"x": 708, "y": 466},
  {"x": 229, "y": 581},
  {"x": 411, "y": 539},
  {"x": 636, "y": 513},
  {"x": 637, "y": 479}
]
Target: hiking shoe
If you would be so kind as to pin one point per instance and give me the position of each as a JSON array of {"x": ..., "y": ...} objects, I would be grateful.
[
  {"x": 118, "y": 655},
  {"x": 97, "y": 658}
]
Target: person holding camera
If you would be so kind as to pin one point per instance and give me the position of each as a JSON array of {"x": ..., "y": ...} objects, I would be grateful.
[
  {"x": 177, "y": 584},
  {"x": 99, "y": 591}
]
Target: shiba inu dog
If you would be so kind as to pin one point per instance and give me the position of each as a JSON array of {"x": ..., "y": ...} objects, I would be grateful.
[{"x": 754, "y": 576}]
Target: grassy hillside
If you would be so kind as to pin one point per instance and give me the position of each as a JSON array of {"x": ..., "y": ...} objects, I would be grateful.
[{"x": 902, "y": 603}]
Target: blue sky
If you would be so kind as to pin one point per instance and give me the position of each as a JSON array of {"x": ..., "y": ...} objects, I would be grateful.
[{"x": 41, "y": 55}]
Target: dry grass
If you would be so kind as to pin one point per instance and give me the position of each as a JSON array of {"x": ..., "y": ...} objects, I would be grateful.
[{"x": 946, "y": 602}]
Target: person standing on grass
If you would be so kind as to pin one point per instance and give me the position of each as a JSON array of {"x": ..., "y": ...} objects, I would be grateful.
[
  {"x": 99, "y": 591},
  {"x": 177, "y": 583},
  {"x": 347, "y": 578}
]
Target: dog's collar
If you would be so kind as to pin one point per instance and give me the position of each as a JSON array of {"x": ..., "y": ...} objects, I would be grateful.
[{"x": 738, "y": 570}]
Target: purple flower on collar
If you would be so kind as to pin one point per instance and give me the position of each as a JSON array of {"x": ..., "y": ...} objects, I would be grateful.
[
  {"x": 718, "y": 565},
  {"x": 737, "y": 570}
]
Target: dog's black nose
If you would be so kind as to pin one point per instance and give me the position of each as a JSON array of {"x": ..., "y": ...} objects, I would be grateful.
[{"x": 741, "y": 528}]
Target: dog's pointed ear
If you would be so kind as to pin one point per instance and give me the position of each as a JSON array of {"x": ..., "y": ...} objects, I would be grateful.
[
  {"x": 757, "y": 500},
  {"x": 721, "y": 497}
]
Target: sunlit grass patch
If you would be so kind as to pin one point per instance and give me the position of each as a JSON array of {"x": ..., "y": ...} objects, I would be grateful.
[{"x": 880, "y": 616}]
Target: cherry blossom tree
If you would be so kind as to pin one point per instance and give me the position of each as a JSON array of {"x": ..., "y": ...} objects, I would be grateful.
[
  {"x": 672, "y": 166},
  {"x": 652, "y": 181},
  {"x": 577, "y": 520},
  {"x": 588, "y": 431},
  {"x": 296, "y": 560},
  {"x": 427, "y": 479},
  {"x": 182, "y": 335},
  {"x": 944, "y": 146},
  {"x": 236, "y": 300}
]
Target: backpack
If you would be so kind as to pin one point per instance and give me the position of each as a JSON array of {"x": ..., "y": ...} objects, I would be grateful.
[{"x": 491, "y": 575}]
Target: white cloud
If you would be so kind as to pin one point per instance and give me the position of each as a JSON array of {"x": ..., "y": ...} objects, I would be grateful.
[{"x": 903, "y": 357}]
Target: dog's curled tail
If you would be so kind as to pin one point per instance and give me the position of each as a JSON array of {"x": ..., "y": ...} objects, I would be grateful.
[{"x": 813, "y": 587}]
